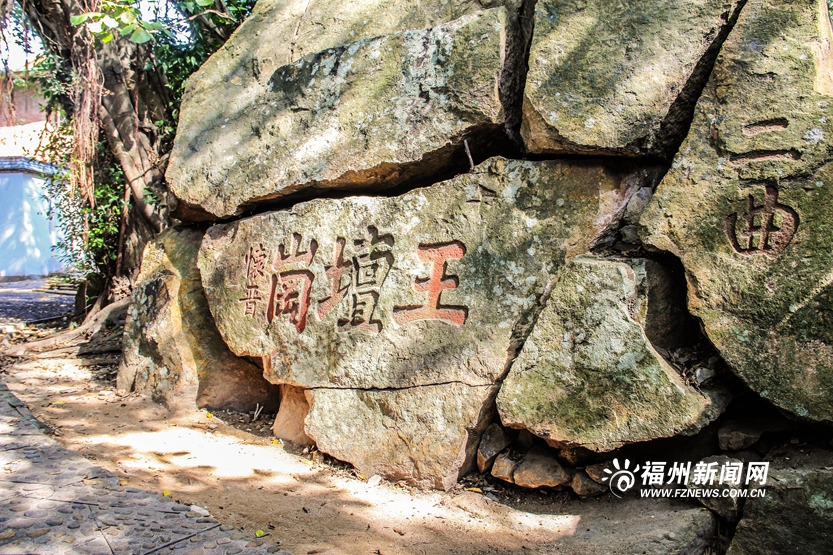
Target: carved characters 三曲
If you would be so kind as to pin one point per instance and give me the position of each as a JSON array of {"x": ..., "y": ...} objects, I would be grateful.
[{"x": 768, "y": 228}]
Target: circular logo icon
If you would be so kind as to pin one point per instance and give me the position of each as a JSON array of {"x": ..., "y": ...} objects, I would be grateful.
[{"x": 623, "y": 479}]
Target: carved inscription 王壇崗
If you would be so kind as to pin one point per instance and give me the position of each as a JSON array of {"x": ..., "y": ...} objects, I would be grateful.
[
  {"x": 767, "y": 229},
  {"x": 355, "y": 275},
  {"x": 434, "y": 285},
  {"x": 359, "y": 279},
  {"x": 292, "y": 282}
]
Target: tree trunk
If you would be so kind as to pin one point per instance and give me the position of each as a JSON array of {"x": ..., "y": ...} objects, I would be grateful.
[{"x": 133, "y": 97}]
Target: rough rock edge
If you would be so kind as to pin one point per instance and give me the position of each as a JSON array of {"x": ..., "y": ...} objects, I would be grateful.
[
  {"x": 674, "y": 126},
  {"x": 718, "y": 392},
  {"x": 435, "y": 166}
]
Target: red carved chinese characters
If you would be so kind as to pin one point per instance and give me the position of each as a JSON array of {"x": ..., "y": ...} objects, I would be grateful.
[
  {"x": 291, "y": 283},
  {"x": 360, "y": 279},
  {"x": 434, "y": 285},
  {"x": 335, "y": 274},
  {"x": 255, "y": 268},
  {"x": 355, "y": 277},
  {"x": 760, "y": 234}
]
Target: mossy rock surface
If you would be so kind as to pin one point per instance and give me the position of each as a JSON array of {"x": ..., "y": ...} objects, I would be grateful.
[
  {"x": 792, "y": 513},
  {"x": 426, "y": 436},
  {"x": 615, "y": 76},
  {"x": 747, "y": 203},
  {"x": 588, "y": 374},
  {"x": 172, "y": 349},
  {"x": 399, "y": 316},
  {"x": 371, "y": 113},
  {"x": 430, "y": 287}
]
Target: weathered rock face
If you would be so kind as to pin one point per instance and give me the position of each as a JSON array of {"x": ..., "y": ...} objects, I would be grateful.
[
  {"x": 539, "y": 468},
  {"x": 433, "y": 288},
  {"x": 426, "y": 436},
  {"x": 746, "y": 205},
  {"x": 588, "y": 375},
  {"x": 172, "y": 350},
  {"x": 370, "y": 114},
  {"x": 426, "y": 288},
  {"x": 795, "y": 515},
  {"x": 618, "y": 77},
  {"x": 505, "y": 465},
  {"x": 239, "y": 73},
  {"x": 289, "y": 422},
  {"x": 740, "y": 434},
  {"x": 584, "y": 486}
]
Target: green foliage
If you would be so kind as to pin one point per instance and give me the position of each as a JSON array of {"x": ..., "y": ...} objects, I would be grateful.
[
  {"x": 180, "y": 46},
  {"x": 90, "y": 236},
  {"x": 119, "y": 19},
  {"x": 53, "y": 83},
  {"x": 178, "y": 58},
  {"x": 181, "y": 36}
]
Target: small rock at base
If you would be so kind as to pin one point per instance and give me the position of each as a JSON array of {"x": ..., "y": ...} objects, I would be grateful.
[
  {"x": 494, "y": 441},
  {"x": 742, "y": 433},
  {"x": 504, "y": 467},
  {"x": 703, "y": 375},
  {"x": 585, "y": 486},
  {"x": 200, "y": 510},
  {"x": 596, "y": 472},
  {"x": 540, "y": 468}
]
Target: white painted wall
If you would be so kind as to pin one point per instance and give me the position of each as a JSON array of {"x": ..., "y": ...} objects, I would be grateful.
[{"x": 26, "y": 235}]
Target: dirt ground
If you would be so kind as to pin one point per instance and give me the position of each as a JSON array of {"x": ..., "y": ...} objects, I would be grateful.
[
  {"x": 308, "y": 503},
  {"x": 251, "y": 481}
]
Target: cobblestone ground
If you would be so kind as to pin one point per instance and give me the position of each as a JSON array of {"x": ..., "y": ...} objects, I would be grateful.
[
  {"x": 53, "y": 501},
  {"x": 23, "y": 301}
]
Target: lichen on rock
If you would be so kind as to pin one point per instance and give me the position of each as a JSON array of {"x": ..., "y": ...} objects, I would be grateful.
[
  {"x": 588, "y": 375},
  {"x": 747, "y": 201},
  {"x": 370, "y": 297},
  {"x": 620, "y": 78},
  {"x": 172, "y": 350},
  {"x": 370, "y": 114}
]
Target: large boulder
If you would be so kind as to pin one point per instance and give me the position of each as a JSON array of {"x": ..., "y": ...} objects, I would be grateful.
[
  {"x": 371, "y": 113},
  {"x": 280, "y": 32},
  {"x": 589, "y": 375},
  {"x": 792, "y": 513},
  {"x": 619, "y": 77},
  {"x": 172, "y": 350},
  {"x": 426, "y": 436},
  {"x": 385, "y": 296},
  {"x": 746, "y": 205}
]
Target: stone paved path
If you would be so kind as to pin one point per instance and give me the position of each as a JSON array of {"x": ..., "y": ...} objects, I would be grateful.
[
  {"x": 53, "y": 501},
  {"x": 20, "y": 301}
]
